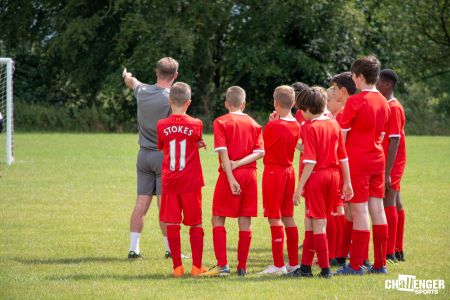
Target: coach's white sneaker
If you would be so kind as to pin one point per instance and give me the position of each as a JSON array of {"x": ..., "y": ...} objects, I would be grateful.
[
  {"x": 272, "y": 270},
  {"x": 290, "y": 268}
]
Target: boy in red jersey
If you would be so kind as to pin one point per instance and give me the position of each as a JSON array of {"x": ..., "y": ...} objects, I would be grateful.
[
  {"x": 179, "y": 137},
  {"x": 395, "y": 152},
  {"x": 280, "y": 140},
  {"x": 239, "y": 142},
  {"x": 298, "y": 88},
  {"x": 363, "y": 126},
  {"x": 339, "y": 224},
  {"x": 324, "y": 152}
]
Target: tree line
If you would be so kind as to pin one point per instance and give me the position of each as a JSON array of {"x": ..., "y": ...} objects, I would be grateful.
[{"x": 69, "y": 54}]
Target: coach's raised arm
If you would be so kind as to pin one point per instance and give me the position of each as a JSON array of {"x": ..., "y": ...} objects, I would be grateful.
[{"x": 152, "y": 106}]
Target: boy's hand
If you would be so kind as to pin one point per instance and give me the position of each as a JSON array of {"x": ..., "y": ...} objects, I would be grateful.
[
  {"x": 235, "y": 187},
  {"x": 234, "y": 164},
  {"x": 202, "y": 144},
  {"x": 387, "y": 182},
  {"x": 300, "y": 146},
  {"x": 274, "y": 116},
  {"x": 347, "y": 191},
  {"x": 297, "y": 196}
]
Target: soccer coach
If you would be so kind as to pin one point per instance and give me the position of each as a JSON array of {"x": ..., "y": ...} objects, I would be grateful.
[{"x": 152, "y": 105}]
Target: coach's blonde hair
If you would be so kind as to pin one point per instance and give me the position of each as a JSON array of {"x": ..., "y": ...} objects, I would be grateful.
[
  {"x": 180, "y": 93},
  {"x": 166, "y": 68},
  {"x": 285, "y": 96}
]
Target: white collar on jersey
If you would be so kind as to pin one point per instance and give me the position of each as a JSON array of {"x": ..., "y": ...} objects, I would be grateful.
[
  {"x": 239, "y": 113},
  {"x": 391, "y": 100},
  {"x": 288, "y": 119},
  {"x": 374, "y": 89},
  {"x": 321, "y": 118}
]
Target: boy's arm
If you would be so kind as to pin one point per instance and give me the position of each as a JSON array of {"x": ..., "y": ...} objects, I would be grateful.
[
  {"x": 226, "y": 165},
  {"x": 390, "y": 159},
  {"x": 258, "y": 152},
  {"x": 306, "y": 173},
  {"x": 129, "y": 80},
  {"x": 347, "y": 190}
]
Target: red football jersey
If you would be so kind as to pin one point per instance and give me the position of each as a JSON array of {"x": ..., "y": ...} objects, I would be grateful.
[
  {"x": 178, "y": 137},
  {"x": 299, "y": 117},
  {"x": 365, "y": 119},
  {"x": 396, "y": 128},
  {"x": 339, "y": 116},
  {"x": 323, "y": 144},
  {"x": 280, "y": 138},
  {"x": 239, "y": 134}
]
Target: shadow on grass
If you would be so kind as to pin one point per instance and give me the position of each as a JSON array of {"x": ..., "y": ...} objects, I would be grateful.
[
  {"x": 69, "y": 261},
  {"x": 82, "y": 277}
]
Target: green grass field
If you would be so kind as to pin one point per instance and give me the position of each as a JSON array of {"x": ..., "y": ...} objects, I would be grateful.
[{"x": 64, "y": 213}]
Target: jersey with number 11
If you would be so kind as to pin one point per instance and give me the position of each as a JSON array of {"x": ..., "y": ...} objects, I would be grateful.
[{"x": 178, "y": 137}]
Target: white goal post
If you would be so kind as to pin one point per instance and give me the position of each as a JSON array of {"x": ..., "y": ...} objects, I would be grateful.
[{"x": 6, "y": 106}]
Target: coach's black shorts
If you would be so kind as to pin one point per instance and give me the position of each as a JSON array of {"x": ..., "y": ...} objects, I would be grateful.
[{"x": 148, "y": 170}]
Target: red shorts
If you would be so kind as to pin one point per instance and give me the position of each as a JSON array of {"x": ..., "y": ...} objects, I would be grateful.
[
  {"x": 365, "y": 186},
  {"x": 278, "y": 185},
  {"x": 396, "y": 177},
  {"x": 188, "y": 204},
  {"x": 225, "y": 204},
  {"x": 320, "y": 193}
]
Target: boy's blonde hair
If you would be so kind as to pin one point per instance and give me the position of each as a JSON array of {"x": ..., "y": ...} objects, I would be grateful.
[
  {"x": 235, "y": 96},
  {"x": 285, "y": 96},
  {"x": 180, "y": 93}
]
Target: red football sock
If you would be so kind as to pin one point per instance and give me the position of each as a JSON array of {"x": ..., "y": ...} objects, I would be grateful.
[
  {"x": 392, "y": 220},
  {"x": 220, "y": 245},
  {"x": 173, "y": 237},
  {"x": 245, "y": 239},
  {"x": 277, "y": 245},
  {"x": 196, "y": 238},
  {"x": 359, "y": 240},
  {"x": 292, "y": 245},
  {"x": 321, "y": 247},
  {"x": 366, "y": 249},
  {"x": 340, "y": 227},
  {"x": 346, "y": 239},
  {"x": 331, "y": 235},
  {"x": 400, "y": 230},
  {"x": 380, "y": 237},
  {"x": 308, "y": 249}
]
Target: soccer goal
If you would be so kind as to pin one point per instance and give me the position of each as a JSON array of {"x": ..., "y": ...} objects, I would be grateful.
[{"x": 6, "y": 110}]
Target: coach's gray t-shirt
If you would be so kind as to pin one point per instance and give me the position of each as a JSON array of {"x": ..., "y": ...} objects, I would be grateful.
[{"x": 152, "y": 106}]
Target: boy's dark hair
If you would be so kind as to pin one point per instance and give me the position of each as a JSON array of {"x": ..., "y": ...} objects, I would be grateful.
[
  {"x": 368, "y": 66},
  {"x": 298, "y": 88},
  {"x": 313, "y": 99},
  {"x": 389, "y": 75},
  {"x": 180, "y": 93},
  {"x": 345, "y": 80}
]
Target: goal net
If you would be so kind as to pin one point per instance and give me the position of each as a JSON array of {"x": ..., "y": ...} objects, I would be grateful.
[{"x": 6, "y": 111}]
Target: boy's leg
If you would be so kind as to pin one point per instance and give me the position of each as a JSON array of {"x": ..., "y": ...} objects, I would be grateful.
[
  {"x": 392, "y": 219},
  {"x": 220, "y": 240},
  {"x": 400, "y": 228},
  {"x": 347, "y": 234},
  {"x": 291, "y": 241},
  {"x": 245, "y": 238},
  {"x": 331, "y": 232},
  {"x": 308, "y": 248},
  {"x": 277, "y": 234},
  {"x": 340, "y": 228},
  {"x": 380, "y": 231},
  {"x": 360, "y": 234},
  {"x": 196, "y": 235},
  {"x": 173, "y": 236},
  {"x": 321, "y": 244}
]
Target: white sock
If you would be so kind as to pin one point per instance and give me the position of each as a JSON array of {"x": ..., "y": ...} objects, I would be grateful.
[
  {"x": 166, "y": 243},
  {"x": 134, "y": 242}
]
